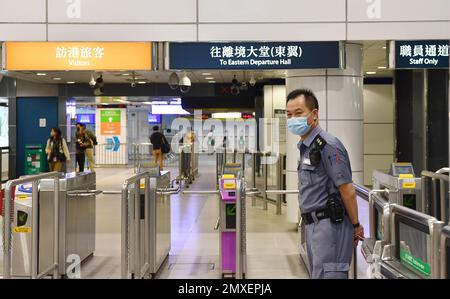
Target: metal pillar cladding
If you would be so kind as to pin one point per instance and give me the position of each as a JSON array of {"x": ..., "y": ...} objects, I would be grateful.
[
  {"x": 7, "y": 219},
  {"x": 232, "y": 227}
]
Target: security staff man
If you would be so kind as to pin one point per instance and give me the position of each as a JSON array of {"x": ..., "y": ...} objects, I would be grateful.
[{"x": 327, "y": 196}]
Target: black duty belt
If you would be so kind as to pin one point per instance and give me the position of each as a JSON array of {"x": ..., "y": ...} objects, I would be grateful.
[{"x": 320, "y": 215}]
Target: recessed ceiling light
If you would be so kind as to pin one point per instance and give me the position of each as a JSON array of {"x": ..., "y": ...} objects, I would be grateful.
[
  {"x": 206, "y": 74},
  {"x": 382, "y": 67},
  {"x": 384, "y": 47},
  {"x": 209, "y": 78},
  {"x": 57, "y": 79},
  {"x": 141, "y": 82},
  {"x": 71, "y": 82},
  {"x": 41, "y": 74},
  {"x": 371, "y": 73}
]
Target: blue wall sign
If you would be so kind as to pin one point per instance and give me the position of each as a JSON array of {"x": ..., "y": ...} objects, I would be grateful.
[
  {"x": 113, "y": 144},
  {"x": 424, "y": 54},
  {"x": 257, "y": 55}
]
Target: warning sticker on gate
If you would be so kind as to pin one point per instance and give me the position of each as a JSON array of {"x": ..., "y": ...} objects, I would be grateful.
[
  {"x": 22, "y": 229},
  {"x": 22, "y": 197},
  {"x": 409, "y": 184}
]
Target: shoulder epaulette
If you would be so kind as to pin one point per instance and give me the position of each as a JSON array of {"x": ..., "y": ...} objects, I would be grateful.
[{"x": 320, "y": 142}]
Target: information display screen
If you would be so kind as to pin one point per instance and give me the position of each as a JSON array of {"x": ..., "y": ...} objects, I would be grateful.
[
  {"x": 414, "y": 249},
  {"x": 154, "y": 118},
  {"x": 404, "y": 169},
  {"x": 87, "y": 119},
  {"x": 230, "y": 215}
]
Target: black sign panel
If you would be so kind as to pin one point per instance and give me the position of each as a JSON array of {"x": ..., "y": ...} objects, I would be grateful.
[{"x": 255, "y": 55}]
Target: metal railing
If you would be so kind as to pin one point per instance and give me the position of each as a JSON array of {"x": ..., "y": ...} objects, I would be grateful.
[
  {"x": 141, "y": 156},
  {"x": 111, "y": 154},
  {"x": 130, "y": 223},
  {"x": 275, "y": 172},
  {"x": 7, "y": 232},
  {"x": 430, "y": 205}
]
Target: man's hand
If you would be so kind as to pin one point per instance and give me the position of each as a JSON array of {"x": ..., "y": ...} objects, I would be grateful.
[{"x": 358, "y": 235}]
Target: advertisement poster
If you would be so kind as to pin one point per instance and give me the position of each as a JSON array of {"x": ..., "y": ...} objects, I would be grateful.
[{"x": 110, "y": 121}]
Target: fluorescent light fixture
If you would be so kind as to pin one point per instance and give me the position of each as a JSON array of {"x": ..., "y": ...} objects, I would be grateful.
[
  {"x": 147, "y": 103},
  {"x": 71, "y": 82},
  {"x": 211, "y": 81},
  {"x": 41, "y": 74},
  {"x": 209, "y": 78},
  {"x": 371, "y": 73},
  {"x": 122, "y": 101},
  {"x": 126, "y": 74},
  {"x": 206, "y": 74},
  {"x": 227, "y": 115},
  {"x": 57, "y": 79},
  {"x": 382, "y": 67},
  {"x": 169, "y": 109}
]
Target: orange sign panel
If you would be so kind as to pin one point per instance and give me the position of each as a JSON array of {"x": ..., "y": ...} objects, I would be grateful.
[{"x": 79, "y": 56}]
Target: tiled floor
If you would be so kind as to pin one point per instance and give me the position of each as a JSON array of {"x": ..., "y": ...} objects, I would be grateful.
[{"x": 272, "y": 242}]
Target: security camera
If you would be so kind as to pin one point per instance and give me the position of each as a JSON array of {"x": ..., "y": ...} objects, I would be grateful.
[
  {"x": 92, "y": 82},
  {"x": 133, "y": 84},
  {"x": 174, "y": 81},
  {"x": 185, "y": 83},
  {"x": 252, "y": 81}
]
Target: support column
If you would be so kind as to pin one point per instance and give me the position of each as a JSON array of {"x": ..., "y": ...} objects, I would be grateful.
[{"x": 340, "y": 96}]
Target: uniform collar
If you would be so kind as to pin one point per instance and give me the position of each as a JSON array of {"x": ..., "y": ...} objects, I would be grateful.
[{"x": 307, "y": 142}]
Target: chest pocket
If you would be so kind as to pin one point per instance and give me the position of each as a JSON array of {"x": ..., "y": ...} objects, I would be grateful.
[{"x": 310, "y": 174}]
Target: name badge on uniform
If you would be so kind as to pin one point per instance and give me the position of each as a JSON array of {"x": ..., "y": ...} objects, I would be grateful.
[{"x": 307, "y": 161}]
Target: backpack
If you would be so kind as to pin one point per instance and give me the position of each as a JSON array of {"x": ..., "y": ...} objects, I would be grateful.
[{"x": 165, "y": 146}]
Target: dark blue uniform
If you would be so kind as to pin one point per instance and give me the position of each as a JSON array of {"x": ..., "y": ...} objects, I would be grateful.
[{"x": 329, "y": 245}]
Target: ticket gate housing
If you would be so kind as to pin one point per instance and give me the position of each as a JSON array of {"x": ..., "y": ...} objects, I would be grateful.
[
  {"x": 232, "y": 227},
  {"x": 76, "y": 224},
  {"x": 404, "y": 187}
]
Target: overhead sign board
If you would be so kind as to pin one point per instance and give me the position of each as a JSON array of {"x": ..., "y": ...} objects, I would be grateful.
[
  {"x": 255, "y": 55},
  {"x": 80, "y": 56},
  {"x": 423, "y": 54}
]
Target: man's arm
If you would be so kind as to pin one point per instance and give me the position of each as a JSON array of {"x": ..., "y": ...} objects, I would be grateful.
[{"x": 348, "y": 195}]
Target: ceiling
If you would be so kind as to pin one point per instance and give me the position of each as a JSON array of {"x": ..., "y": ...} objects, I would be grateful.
[{"x": 375, "y": 57}]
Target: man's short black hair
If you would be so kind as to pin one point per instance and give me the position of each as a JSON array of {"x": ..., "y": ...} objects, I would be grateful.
[
  {"x": 310, "y": 98},
  {"x": 155, "y": 128}
]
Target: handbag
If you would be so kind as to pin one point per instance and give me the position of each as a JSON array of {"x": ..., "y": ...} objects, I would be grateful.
[{"x": 165, "y": 146}]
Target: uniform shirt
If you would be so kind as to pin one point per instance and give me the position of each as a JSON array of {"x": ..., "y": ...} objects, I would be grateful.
[{"x": 316, "y": 183}]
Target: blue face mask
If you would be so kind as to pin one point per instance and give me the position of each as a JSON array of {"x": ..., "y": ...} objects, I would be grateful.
[{"x": 299, "y": 125}]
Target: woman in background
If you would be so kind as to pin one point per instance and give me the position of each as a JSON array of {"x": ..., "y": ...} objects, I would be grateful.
[{"x": 57, "y": 150}]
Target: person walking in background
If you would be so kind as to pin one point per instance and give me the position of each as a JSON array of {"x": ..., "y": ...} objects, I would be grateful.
[
  {"x": 211, "y": 142},
  {"x": 82, "y": 143},
  {"x": 90, "y": 149},
  {"x": 56, "y": 150},
  {"x": 157, "y": 139}
]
